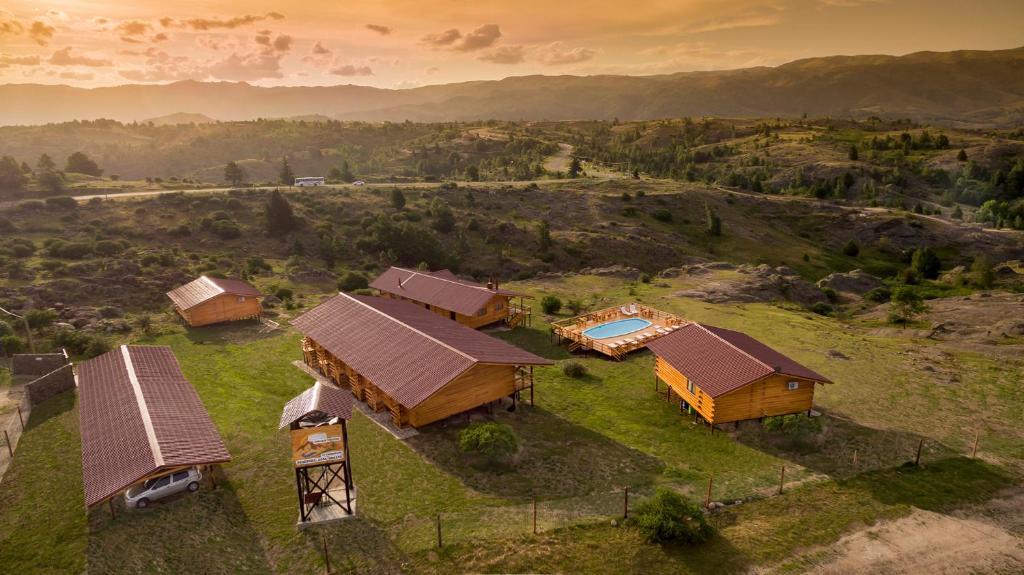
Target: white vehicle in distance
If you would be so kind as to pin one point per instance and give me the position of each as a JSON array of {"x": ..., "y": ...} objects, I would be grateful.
[
  {"x": 358, "y": 183},
  {"x": 299, "y": 182},
  {"x": 142, "y": 495}
]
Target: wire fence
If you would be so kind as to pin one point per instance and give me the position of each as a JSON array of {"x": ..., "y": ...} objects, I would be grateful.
[{"x": 12, "y": 424}]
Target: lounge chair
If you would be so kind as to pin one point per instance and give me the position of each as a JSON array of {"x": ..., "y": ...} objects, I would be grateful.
[
  {"x": 632, "y": 309},
  {"x": 626, "y": 311}
]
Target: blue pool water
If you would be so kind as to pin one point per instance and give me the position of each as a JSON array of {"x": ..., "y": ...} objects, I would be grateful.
[{"x": 616, "y": 328}]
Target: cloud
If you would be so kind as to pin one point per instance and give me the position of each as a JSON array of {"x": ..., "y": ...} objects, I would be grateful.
[
  {"x": 132, "y": 28},
  {"x": 161, "y": 37},
  {"x": 851, "y": 3},
  {"x": 6, "y": 60},
  {"x": 167, "y": 22},
  {"x": 382, "y": 30},
  {"x": 432, "y": 70},
  {"x": 77, "y": 75},
  {"x": 768, "y": 16},
  {"x": 163, "y": 67},
  {"x": 505, "y": 55},
  {"x": 282, "y": 43},
  {"x": 65, "y": 58},
  {"x": 483, "y": 37},
  {"x": 320, "y": 50},
  {"x": 203, "y": 24},
  {"x": 245, "y": 67},
  {"x": 442, "y": 39},
  {"x": 8, "y": 25},
  {"x": 41, "y": 32},
  {"x": 556, "y": 54},
  {"x": 351, "y": 70}
]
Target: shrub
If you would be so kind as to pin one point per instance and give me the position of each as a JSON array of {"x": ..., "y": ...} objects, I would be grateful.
[
  {"x": 11, "y": 344},
  {"x": 645, "y": 278},
  {"x": 574, "y": 369},
  {"x": 182, "y": 230},
  {"x": 575, "y": 306},
  {"x": 926, "y": 263},
  {"x": 5, "y": 328},
  {"x": 909, "y": 276},
  {"x": 821, "y": 308},
  {"x": 62, "y": 203},
  {"x": 40, "y": 318},
  {"x": 284, "y": 294},
  {"x": 108, "y": 248},
  {"x": 79, "y": 343},
  {"x": 851, "y": 249},
  {"x": 878, "y": 295},
  {"x": 550, "y": 304},
  {"x": 905, "y": 305},
  {"x": 668, "y": 516},
  {"x": 662, "y": 215},
  {"x": 352, "y": 281},
  {"x": 795, "y": 424},
  {"x": 830, "y": 293},
  {"x": 21, "y": 248},
  {"x": 225, "y": 229},
  {"x": 70, "y": 250},
  {"x": 492, "y": 440}
]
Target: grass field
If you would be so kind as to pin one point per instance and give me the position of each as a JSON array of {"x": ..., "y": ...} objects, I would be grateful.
[{"x": 585, "y": 440}]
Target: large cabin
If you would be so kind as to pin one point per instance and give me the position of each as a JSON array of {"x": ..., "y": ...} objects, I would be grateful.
[
  {"x": 207, "y": 300},
  {"x": 397, "y": 356},
  {"x": 442, "y": 292},
  {"x": 727, "y": 376}
]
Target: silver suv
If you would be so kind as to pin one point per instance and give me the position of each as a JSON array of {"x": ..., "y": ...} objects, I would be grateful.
[{"x": 159, "y": 487}]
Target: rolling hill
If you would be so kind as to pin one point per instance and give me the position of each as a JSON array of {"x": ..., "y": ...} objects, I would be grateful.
[{"x": 963, "y": 88}]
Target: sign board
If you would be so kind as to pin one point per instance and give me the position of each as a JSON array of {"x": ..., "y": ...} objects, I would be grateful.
[{"x": 317, "y": 445}]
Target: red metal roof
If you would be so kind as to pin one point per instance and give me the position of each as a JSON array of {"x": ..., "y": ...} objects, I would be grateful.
[
  {"x": 405, "y": 350},
  {"x": 139, "y": 416},
  {"x": 719, "y": 360},
  {"x": 320, "y": 399},
  {"x": 439, "y": 289},
  {"x": 203, "y": 288}
]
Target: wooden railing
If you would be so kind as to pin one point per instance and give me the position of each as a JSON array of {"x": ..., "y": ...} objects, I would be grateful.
[
  {"x": 518, "y": 314},
  {"x": 572, "y": 328}
]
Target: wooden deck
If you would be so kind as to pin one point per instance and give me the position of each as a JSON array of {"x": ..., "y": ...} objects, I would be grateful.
[{"x": 571, "y": 330}]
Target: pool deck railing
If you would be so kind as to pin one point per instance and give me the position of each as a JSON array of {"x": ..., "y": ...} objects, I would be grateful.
[{"x": 617, "y": 347}]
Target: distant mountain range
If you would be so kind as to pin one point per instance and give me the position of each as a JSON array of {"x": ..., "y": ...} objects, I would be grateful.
[{"x": 963, "y": 88}]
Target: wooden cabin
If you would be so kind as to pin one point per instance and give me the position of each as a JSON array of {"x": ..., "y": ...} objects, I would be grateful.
[
  {"x": 207, "y": 300},
  {"x": 442, "y": 292},
  {"x": 397, "y": 356},
  {"x": 727, "y": 376}
]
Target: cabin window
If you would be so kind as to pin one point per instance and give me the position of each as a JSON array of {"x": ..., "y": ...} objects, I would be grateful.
[
  {"x": 241, "y": 299},
  {"x": 691, "y": 388},
  {"x": 793, "y": 385},
  {"x": 499, "y": 306},
  {"x": 482, "y": 312},
  {"x": 452, "y": 316}
]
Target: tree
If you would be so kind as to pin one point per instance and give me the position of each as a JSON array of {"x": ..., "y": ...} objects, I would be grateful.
[
  {"x": 961, "y": 156},
  {"x": 668, "y": 516},
  {"x": 575, "y": 168},
  {"x": 397, "y": 199},
  {"x": 334, "y": 173},
  {"x": 352, "y": 281},
  {"x": 958, "y": 213},
  {"x": 12, "y": 178},
  {"x": 712, "y": 222},
  {"x": 234, "y": 174},
  {"x": 346, "y": 172},
  {"x": 47, "y": 177},
  {"x": 926, "y": 262},
  {"x": 286, "y": 175},
  {"x": 550, "y": 304},
  {"x": 853, "y": 154},
  {"x": 280, "y": 217},
  {"x": 905, "y": 304},
  {"x": 79, "y": 163},
  {"x": 544, "y": 236},
  {"x": 45, "y": 163},
  {"x": 851, "y": 249},
  {"x": 473, "y": 173},
  {"x": 444, "y": 219},
  {"x": 494, "y": 441},
  {"x": 981, "y": 272}
]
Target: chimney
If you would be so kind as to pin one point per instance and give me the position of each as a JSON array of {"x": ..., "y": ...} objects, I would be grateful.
[
  {"x": 490, "y": 283},
  {"x": 399, "y": 282}
]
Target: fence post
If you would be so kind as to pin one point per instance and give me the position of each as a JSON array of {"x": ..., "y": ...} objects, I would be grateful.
[
  {"x": 625, "y": 502},
  {"x": 327, "y": 557},
  {"x": 917, "y": 458},
  {"x": 707, "y": 498},
  {"x": 7, "y": 440},
  {"x": 21, "y": 420},
  {"x": 439, "y": 544},
  {"x": 534, "y": 515},
  {"x": 782, "y": 479},
  {"x": 974, "y": 451}
]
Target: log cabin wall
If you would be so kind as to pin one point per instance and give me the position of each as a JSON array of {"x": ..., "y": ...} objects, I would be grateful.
[
  {"x": 480, "y": 384},
  {"x": 224, "y": 307}
]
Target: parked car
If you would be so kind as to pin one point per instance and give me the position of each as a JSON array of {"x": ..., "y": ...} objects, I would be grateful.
[
  {"x": 142, "y": 495},
  {"x": 358, "y": 183}
]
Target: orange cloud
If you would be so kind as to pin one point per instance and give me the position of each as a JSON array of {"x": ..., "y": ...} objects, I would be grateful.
[
  {"x": 40, "y": 32},
  {"x": 382, "y": 30},
  {"x": 66, "y": 58}
]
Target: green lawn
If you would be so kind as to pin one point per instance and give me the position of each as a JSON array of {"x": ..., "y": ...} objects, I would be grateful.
[{"x": 584, "y": 441}]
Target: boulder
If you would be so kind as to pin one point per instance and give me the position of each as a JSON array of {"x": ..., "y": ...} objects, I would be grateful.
[
  {"x": 612, "y": 271},
  {"x": 856, "y": 282}
]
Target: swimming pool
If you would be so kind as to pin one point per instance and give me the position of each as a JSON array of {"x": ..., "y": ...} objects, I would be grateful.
[{"x": 616, "y": 328}]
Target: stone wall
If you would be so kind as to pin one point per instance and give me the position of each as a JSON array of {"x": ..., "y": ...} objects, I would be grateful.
[
  {"x": 57, "y": 381},
  {"x": 36, "y": 364}
]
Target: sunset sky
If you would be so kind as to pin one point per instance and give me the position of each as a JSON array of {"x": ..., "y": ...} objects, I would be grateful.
[{"x": 400, "y": 43}]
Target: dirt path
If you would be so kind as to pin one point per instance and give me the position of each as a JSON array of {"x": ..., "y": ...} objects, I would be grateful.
[
  {"x": 928, "y": 542},
  {"x": 560, "y": 160}
]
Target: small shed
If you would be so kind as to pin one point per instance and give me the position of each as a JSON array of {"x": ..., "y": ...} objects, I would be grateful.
[
  {"x": 442, "y": 292},
  {"x": 140, "y": 418},
  {"x": 207, "y": 300},
  {"x": 399, "y": 357},
  {"x": 727, "y": 376}
]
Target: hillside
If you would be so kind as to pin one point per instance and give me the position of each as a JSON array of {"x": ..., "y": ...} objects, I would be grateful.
[{"x": 967, "y": 88}]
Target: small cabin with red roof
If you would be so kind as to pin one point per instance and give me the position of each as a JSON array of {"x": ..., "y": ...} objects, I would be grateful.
[
  {"x": 727, "y": 376},
  {"x": 208, "y": 300},
  {"x": 442, "y": 292}
]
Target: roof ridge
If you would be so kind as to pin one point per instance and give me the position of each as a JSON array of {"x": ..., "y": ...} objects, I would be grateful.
[
  {"x": 400, "y": 322},
  {"x": 737, "y": 348},
  {"x": 215, "y": 285},
  {"x": 147, "y": 421},
  {"x": 419, "y": 273}
]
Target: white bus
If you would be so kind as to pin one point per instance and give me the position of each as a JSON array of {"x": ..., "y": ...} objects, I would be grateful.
[{"x": 309, "y": 181}]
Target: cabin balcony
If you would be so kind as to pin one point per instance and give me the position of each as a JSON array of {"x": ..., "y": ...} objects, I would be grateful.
[{"x": 518, "y": 314}]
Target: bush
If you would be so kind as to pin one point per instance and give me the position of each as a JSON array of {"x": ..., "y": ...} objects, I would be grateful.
[
  {"x": 21, "y": 248},
  {"x": 821, "y": 308},
  {"x": 926, "y": 263},
  {"x": 851, "y": 249},
  {"x": 668, "y": 516},
  {"x": 180, "y": 231},
  {"x": 352, "y": 281},
  {"x": 11, "y": 344},
  {"x": 79, "y": 343},
  {"x": 909, "y": 276},
  {"x": 70, "y": 250},
  {"x": 5, "y": 328},
  {"x": 662, "y": 215},
  {"x": 795, "y": 424},
  {"x": 574, "y": 369},
  {"x": 108, "y": 247},
  {"x": 574, "y": 306},
  {"x": 284, "y": 294},
  {"x": 878, "y": 295},
  {"x": 492, "y": 440},
  {"x": 550, "y": 304},
  {"x": 40, "y": 318},
  {"x": 225, "y": 229},
  {"x": 62, "y": 203},
  {"x": 830, "y": 293}
]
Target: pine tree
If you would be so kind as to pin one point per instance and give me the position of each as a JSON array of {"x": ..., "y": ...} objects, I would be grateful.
[
  {"x": 853, "y": 154},
  {"x": 286, "y": 176},
  {"x": 397, "y": 199},
  {"x": 544, "y": 236},
  {"x": 234, "y": 174},
  {"x": 280, "y": 217},
  {"x": 575, "y": 168},
  {"x": 712, "y": 222},
  {"x": 961, "y": 156}
]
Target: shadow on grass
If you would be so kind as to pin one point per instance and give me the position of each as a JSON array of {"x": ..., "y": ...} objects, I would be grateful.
[
  {"x": 354, "y": 545},
  {"x": 236, "y": 332},
  {"x": 831, "y": 451},
  {"x": 52, "y": 407},
  {"x": 557, "y": 458},
  {"x": 940, "y": 486},
  {"x": 175, "y": 535},
  {"x": 535, "y": 340}
]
